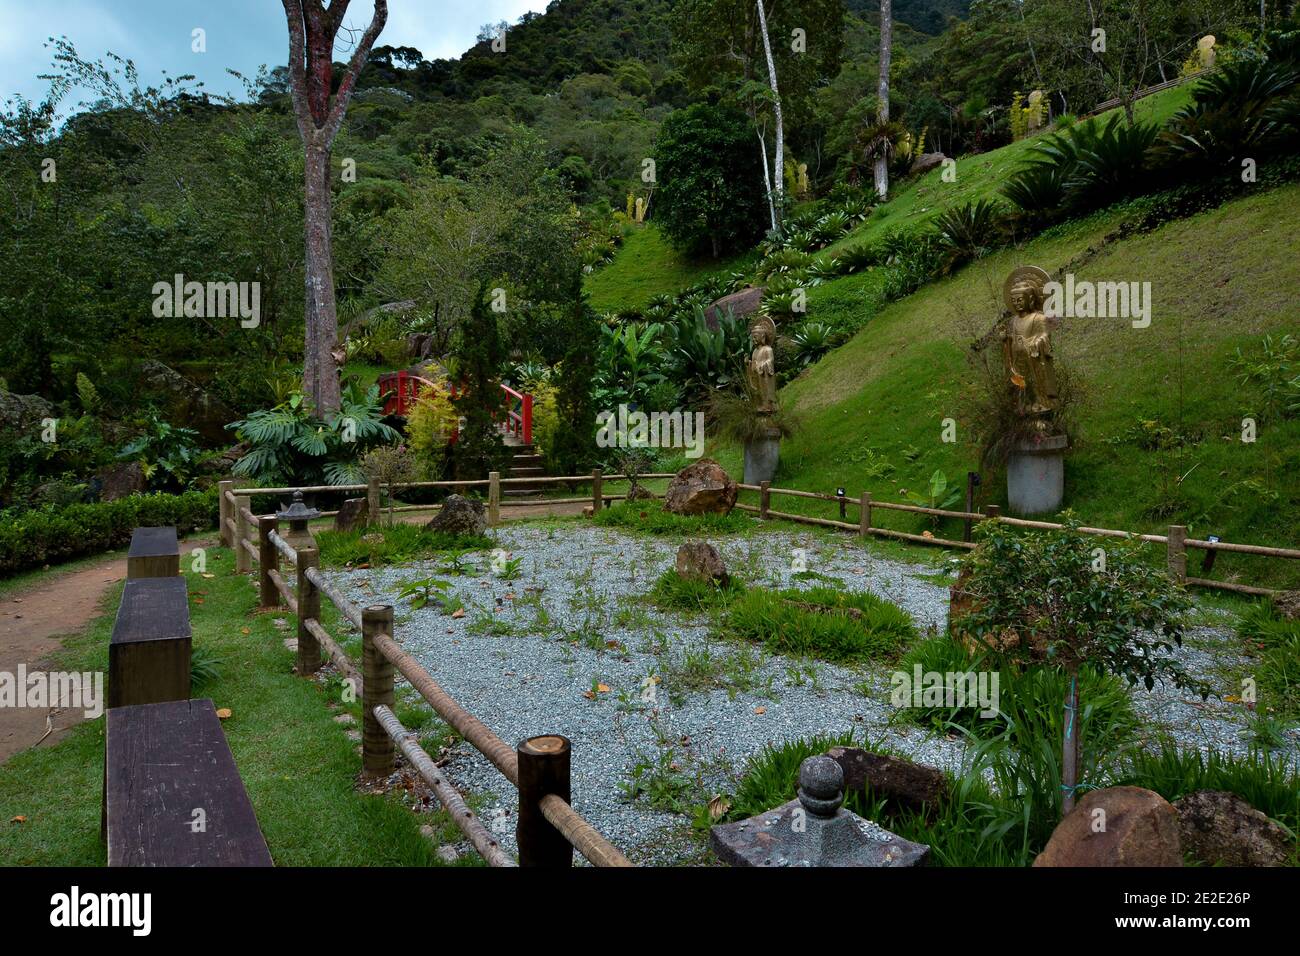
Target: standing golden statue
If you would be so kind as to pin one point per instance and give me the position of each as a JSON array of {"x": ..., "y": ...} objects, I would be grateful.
[
  {"x": 1027, "y": 344},
  {"x": 762, "y": 365}
]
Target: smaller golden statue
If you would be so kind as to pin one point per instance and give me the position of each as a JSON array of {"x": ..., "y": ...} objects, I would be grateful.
[
  {"x": 762, "y": 365},
  {"x": 1027, "y": 343}
]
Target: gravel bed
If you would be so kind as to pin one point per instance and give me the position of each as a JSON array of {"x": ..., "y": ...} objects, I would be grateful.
[{"x": 530, "y": 657}]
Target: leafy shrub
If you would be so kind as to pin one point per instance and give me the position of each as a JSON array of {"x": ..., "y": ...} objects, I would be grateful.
[
  {"x": 811, "y": 341},
  {"x": 430, "y": 424},
  {"x": 671, "y": 590},
  {"x": 390, "y": 544},
  {"x": 50, "y": 535},
  {"x": 969, "y": 231},
  {"x": 820, "y": 622},
  {"x": 650, "y": 517},
  {"x": 784, "y": 261}
]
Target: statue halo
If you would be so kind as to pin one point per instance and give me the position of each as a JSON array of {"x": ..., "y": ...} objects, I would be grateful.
[{"x": 1020, "y": 274}]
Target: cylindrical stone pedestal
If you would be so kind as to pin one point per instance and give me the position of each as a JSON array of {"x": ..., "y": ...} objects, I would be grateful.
[
  {"x": 761, "y": 457},
  {"x": 1036, "y": 476}
]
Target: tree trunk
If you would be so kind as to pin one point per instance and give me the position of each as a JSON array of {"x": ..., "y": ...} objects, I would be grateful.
[
  {"x": 882, "y": 92},
  {"x": 767, "y": 181},
  {"x": 779, "y": 163},
  {"x": 1070, "y": 746},
  {"x": 320, "y": 372}
]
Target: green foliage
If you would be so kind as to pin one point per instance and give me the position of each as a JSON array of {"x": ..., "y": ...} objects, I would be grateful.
[
  {"x": 937, "y": 494},
  {"x": 291, "y": 446},
  {"x": 1274, "y": 370},
  {"x": 650, "y": 517},
  {"x": 34, "y": 538},
  {"x": 479, "y": 356},
  {"x": 969, "y": 231},
  {"x": 421, "y": 592},
  {"x": 1276, "y": 640},
  {"x": 710, "y": 197},
  {"x": 672, "y": 590},
  {"x": 167, "y": 453},
  {"x": 205, "y": 666},
  {"x": 820, "y": 622},
  {"x": 389, "y": 544}
]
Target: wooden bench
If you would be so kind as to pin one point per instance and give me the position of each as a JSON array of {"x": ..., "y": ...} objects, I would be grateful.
[
  {"x": 172, "y": 793},
  {"x": 149, "y": 652},
  {"x": 154, "y": 553}
]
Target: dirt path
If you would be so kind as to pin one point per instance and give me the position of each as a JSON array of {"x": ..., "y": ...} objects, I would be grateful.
[{"x": 33, "y": 622}]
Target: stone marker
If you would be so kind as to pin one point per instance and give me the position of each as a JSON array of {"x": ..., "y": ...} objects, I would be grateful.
[
  {"x": 460, "y": 516},
  {"x": 1221, "y": 827},
  {"x": 699, "y": 560},
  {"x": 813, "y": 830},
  {"x": 1118, "y": 826},
  {"x": 353, "y": 513},
  {"x": 701, "y": 488}
]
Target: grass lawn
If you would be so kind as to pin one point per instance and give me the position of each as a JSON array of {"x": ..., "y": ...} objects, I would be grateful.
[
  {"x": 296, "y": 761},
  {"x": 647, "y": 265}
]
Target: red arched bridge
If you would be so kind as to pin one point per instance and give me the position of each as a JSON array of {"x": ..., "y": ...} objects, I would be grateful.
[{"x": 399, "y": 391}]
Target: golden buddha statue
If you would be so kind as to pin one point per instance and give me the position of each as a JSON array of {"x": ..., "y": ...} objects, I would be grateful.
[
  {"x": 1027, "y": 342},
  {"x": 762, "y": 365}
]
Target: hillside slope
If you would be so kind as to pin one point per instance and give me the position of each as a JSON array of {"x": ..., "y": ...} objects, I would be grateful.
[{"x": 872, "y": 410}]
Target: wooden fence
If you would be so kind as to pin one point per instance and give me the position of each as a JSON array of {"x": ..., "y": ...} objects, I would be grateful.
[
  {"x": 548, "y": 828},
  {"x": 1175, "y": 541}
]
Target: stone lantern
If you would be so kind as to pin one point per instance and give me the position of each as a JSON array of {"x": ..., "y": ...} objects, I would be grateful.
[{"x": 298, "y": 514}]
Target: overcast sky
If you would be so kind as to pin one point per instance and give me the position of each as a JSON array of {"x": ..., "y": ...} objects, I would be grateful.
[{"x": 243, "y": 34}]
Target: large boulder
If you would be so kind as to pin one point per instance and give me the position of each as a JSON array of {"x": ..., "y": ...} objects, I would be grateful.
[
  {"x": 926, "y": 162},
  {"x": 353, "y": 513},
  {"x": 1220, "y": 827},
  {"x": 701, "y": 488},
  {"x": 459, "y": 516},
  {"x": 22, "y": 412},
  {"x": 121, "y": 479},
  {"x": 740, "y": 304},
  {"x": 1118, "y": 826},
  {"x": 912, "y": 786},
  {"x": 184, "y": 403},
  {"x": 700, "y": 561}
]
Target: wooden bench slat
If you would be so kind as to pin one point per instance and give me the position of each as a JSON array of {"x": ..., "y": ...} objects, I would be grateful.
[
  {"x": 161, "y": 763},
  {"x": 154, "y": 553},
  {"x": 149, "y": 651}
]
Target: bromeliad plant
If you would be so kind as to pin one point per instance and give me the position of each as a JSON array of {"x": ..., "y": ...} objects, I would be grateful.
[
  {"x": 291, "y": 445},
  {"x": 1058, "y": 600}
]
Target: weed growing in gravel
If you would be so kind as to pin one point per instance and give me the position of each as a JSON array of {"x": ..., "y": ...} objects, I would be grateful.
[
  {"x": 490, "y": 625},
  {"x": 1267, "y": 731},
  {"x": 820, "y": 622},
  {"x": 672, "y": 590},
  {"x": 1276, "y": 640},
  {"x": 699, "y": 669},
  {"x": 659, "y": 783},
  {"x": 650, "y": 517}
]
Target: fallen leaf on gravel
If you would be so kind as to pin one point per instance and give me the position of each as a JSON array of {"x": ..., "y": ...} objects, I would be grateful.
[
  {"x": 19, "y": 819},
  {"x": 603, "y": 688},
  {"x": 459, "y": 612},
  {"x": 589, "y": 695},
  {"x": 718, "y": 806},
  {"x": 760, "y": 710},
  {"x": 225, "y": 713}
]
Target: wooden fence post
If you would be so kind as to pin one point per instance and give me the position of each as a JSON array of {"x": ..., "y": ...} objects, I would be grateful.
[
  {"x": 494, "y": 498},
  {"x": 268, "y": 559},
  {"x": 543, "y": 770},
  {"x": 992, "y": 511},
  {"x": 764, "y": 498},
  {"x": 308, "y": 608},
  {"x": 864, "y": 515},
  {"x": 972, "y": 479},
  {"x": 243, "y": 563},
  {"x": 224, "y": 514},
  {"x": 376, "y": 688},
  {"x": 1177, "y": 553},
  {"x": 373, "y": 514},
  {"x": 597, "y": 498}
]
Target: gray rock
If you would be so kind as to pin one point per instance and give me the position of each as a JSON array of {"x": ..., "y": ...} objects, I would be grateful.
[
  {"x": 701, "y": 488},
  {"x": 185, "y": 403},
  {"x": 1117, "y": 826},
  {"x": 460, "y": 516},
  {"x": 926, "y": 162},
  {"x": 1221, "y": 827},
  {"x": 21, "y": 412},
  {"x": 121, "y": 479},
  {"x": 353, "y": 513},
  {"x": 912, "y": 786}
]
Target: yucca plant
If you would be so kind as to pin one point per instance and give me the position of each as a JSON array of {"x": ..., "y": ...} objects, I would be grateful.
[
  {"x": 968, "y": 231},
  {"x": 785, "y": 261},
  {"x": 831, "y": 226},
  {"x": 804, "y": 241},
  {"x": 1039, "y": 189},
  {"x": 856, "y": 258},
  {"x": 810, "y": 341}
]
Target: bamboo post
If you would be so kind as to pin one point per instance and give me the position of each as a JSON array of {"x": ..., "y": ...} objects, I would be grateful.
[
  {"x": 764, "y": 498},
  {"x": 864, "y": 515},
  {"x": 243, "y": 563},
  {"x": 597, "y": 499},
  {"x": 543, "y": 770},
  {"x": 1070, "y": 746},
  {"x": 268, "y": 559},
  {"x": 494, "y": 498},
  {"x": 373, "y": 515},
  {"x": 376, "y": 688},
  {"x": 992, "y": 511},
  {"x": 1176, "y": 553},
  {"x": 224, "y": 514},
  {"x": 308, "y": 608}
]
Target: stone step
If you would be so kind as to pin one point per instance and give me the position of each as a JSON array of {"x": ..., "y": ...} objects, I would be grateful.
[
  {"x": 527, "y": 460},
  {"x": 527, "y": 472}
]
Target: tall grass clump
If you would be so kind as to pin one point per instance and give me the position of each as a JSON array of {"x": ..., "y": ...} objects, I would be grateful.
[{"x": 820, "y": 622}]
